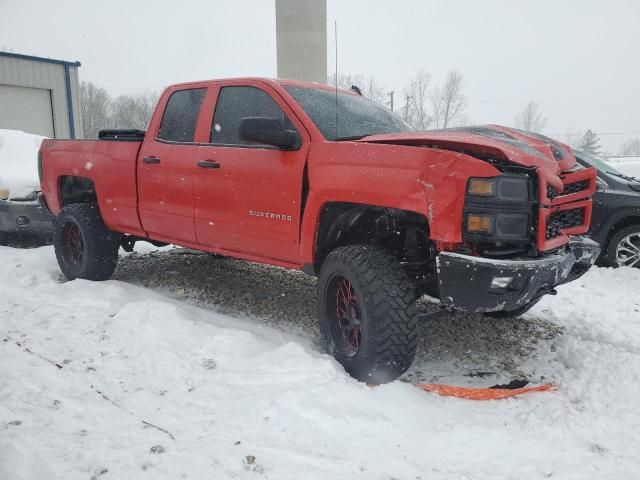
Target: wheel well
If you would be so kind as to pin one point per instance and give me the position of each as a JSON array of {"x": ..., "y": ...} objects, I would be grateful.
[
  {"x": 402, "y": 233},
  {"x": 76, "y": 190},
  {"x": 619, "y": 225}
]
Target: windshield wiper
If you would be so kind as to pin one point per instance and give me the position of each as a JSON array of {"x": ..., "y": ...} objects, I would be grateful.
[{"x": 623, "y": 176}]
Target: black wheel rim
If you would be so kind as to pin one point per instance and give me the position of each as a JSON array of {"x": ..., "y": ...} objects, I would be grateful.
[
  {"x": 345, "y": 317},
  {"x": 73, "y": 244}
]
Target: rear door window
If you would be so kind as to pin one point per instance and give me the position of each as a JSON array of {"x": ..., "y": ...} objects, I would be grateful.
[{"x": 181, "y": 115}]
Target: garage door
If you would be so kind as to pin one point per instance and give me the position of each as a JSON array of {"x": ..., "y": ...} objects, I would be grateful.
[{"x": 26, "y": 109}]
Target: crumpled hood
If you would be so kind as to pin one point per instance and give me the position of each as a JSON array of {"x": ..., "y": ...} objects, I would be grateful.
[{"x": 526, "y": 149}]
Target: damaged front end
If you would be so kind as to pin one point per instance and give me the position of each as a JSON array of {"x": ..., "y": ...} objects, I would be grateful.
[
  {"x": 517, "y": 233},
  {"x": 521, "y": 229}
]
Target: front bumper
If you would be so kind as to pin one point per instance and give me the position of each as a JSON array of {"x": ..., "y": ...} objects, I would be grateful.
[
  {"x": 26, "y": 217},
  {"x": 468, "y": 283}
]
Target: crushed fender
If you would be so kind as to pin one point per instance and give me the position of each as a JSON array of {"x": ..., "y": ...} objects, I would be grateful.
[{"x": 491, "y": 393}]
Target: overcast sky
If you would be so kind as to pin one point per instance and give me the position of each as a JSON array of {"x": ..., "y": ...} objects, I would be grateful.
[{"x": 580, "y": 60}]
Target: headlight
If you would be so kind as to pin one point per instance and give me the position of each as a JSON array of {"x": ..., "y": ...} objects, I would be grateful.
[
  {"x": 502, "y": 225},
  {"x": 479, "y": 223},
  {"x": 4, "y": 193},
  {"x": 484, "y": 187},
  {"x": 498, "y": 209},
  {"x": 504, "y": 188}
]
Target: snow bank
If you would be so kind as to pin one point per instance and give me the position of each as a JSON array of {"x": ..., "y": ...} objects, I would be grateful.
[
  {"x": 150, "y": 386},
  {"x": 19, "y": 162}
]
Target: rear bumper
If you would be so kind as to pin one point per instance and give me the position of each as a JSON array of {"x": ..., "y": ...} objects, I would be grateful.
[
  {"x": 478, "y": 284},
  {"x": 28, "y": 218}
]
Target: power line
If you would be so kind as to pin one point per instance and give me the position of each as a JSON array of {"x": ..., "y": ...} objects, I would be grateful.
[
  {"x": 598, "y": 133},
  {"x": 553, "y": 104}
]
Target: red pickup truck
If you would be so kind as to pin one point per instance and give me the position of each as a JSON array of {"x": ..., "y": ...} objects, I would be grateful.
[{"x": 302, "y": 176}]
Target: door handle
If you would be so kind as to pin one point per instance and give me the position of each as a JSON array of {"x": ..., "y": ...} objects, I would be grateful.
[
  {"x": 151, "y": 160},
  {"x": 208, "y": 164}
]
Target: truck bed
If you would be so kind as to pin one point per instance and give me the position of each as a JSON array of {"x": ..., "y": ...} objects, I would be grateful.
[{"x": 110, "y": 166}]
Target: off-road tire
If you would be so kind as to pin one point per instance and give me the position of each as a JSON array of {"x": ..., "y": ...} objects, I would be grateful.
[
  {"x": 611, "y": 257},
  {"x": 96, "y": 255},
  {"x": 4, "y": 239},
  {"x": 386, "y": 303}
]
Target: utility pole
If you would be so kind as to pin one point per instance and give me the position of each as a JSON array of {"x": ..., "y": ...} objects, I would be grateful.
[
  {"x": 406, "y": 107},
  {"x": 391, "y": 100}
]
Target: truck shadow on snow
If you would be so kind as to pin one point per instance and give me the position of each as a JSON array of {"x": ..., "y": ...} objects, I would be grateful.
[{"x": 463, "y": 348}]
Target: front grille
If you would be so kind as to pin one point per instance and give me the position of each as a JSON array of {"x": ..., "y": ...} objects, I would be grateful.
[
  {"x": 575, "y": 187},
  {"x": 561, "y": 220},
  {"x": 569, "y": 188},
  {"x": 565, "y": 212}
]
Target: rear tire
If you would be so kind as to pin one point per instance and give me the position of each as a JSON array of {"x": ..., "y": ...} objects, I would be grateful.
[
  {"x": 624, "y": 248},
  {"x": 84, "y": 246},
  {"x": 367, "y": 313}
]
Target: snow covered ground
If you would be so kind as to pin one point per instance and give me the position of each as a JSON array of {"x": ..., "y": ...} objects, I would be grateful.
[{"x": 117, "y": 380}]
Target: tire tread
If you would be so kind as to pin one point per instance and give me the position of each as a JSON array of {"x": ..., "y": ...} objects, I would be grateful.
[
  {"x": 391, "y": 300},
  {"x": 101, "y": 248}
]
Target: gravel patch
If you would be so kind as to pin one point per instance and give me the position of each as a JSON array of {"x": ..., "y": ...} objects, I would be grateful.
[{"x": 454, "y": 348}]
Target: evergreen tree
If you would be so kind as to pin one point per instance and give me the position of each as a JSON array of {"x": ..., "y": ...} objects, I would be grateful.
[{"x": 590, "y": 143}]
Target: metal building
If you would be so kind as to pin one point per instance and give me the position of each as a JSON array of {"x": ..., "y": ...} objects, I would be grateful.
[
  {"x": 301, "y": 39},
  {"x": 40, "y": 95}
]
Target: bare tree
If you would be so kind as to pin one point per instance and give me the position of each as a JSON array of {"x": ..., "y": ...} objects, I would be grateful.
[
  {"x": 631, "y": 147},
  {"x": 344, "y": 80},
  {"x": 531, "y": 119},
  {"x": 368, "y": 85},
  {"x": 416, "y": 97},
  {"x": 374, "y": 90},
  {"x": 448, "y": 101},
  {"x": 94, "y": 106},
  {"x": 133, "y": 111},
  {"x": 100, "y": 111}
]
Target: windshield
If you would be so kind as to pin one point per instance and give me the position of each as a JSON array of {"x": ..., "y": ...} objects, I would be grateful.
[
  {"x": 601, "y": 165},
  {"x": 356, "y": 116}
]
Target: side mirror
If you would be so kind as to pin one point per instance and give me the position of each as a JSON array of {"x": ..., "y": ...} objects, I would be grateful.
[{"x": 268, "y": 131}]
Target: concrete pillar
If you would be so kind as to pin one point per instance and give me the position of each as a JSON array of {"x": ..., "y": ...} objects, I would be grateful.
[{"x": 301, "y": 39}]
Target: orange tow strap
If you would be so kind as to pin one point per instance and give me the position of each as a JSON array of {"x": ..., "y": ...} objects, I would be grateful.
[{"x": 481, "y": 393}]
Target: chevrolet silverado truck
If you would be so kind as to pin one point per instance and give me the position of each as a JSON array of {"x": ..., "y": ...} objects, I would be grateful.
[{"x": 304, "y": 176}]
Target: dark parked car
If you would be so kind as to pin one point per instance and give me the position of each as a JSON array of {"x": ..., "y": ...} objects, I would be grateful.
[
  {"x": 25, "y": 219},
  {"x": 615, "y": 222}
]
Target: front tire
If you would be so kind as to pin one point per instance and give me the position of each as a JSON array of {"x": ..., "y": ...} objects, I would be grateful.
[
  {"x": 84, "y": 247},
  {"x": 367, "y": 313},
  {"x": 624, "y": 248}
]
